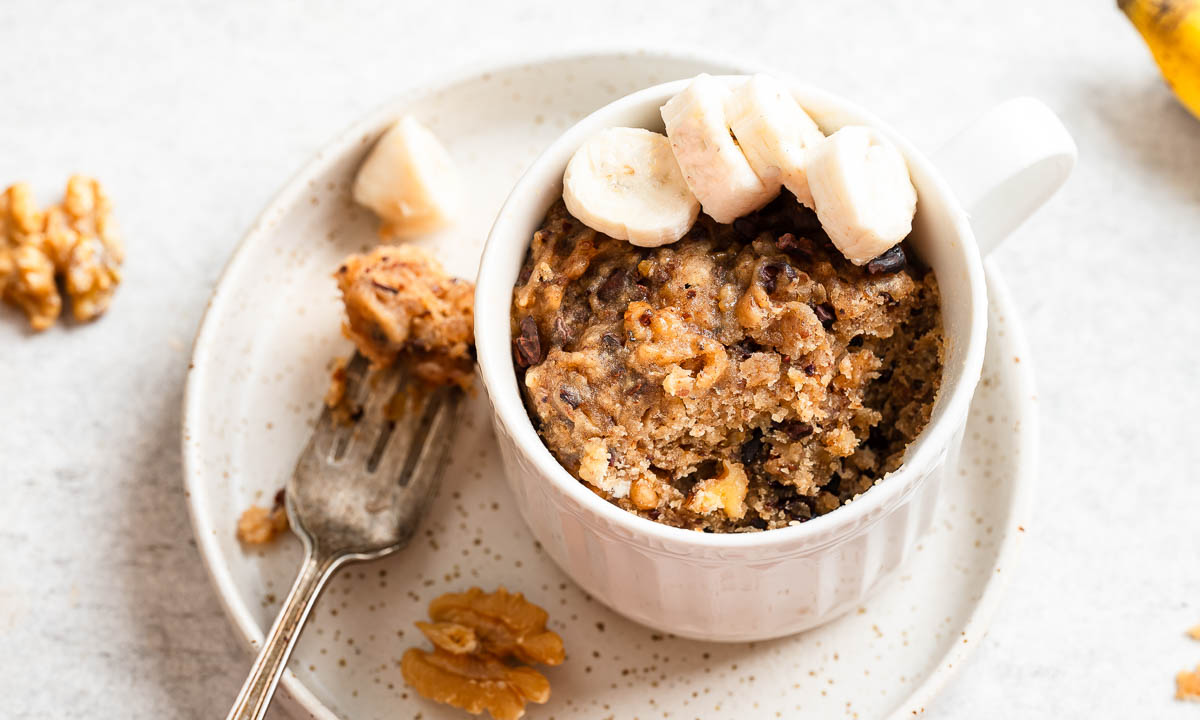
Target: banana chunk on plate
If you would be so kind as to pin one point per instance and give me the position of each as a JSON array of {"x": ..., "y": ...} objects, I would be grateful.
[
  {"x": 625, "y": 183},
  {"x": 864, "y": 197},
  {"x": 774, "y": 133},
  {"x": 714, "y": 167},
  {"x": 409, "y": 180}
]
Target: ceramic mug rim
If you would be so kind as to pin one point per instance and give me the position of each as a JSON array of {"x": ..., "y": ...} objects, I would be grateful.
[{"x": 493, "y": 299}]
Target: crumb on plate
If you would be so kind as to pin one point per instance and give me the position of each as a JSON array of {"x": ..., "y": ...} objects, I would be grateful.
[{"x": 259, "y": 526}]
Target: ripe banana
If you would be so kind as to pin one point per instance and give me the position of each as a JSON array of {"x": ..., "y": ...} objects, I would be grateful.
[
  {"x": 1171, "y": 29},
  {"x": 864, "y": 197},
  {"x": 713, "y": 165},
  {"x": 774, "y": 132},
  {"x": 409, "y": 180},
  {"x": 625, "y": 183}
]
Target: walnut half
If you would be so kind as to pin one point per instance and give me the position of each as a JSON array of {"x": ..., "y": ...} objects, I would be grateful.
[
  {"x": 31, "y": 286},
  {"x": 82, "y": 239},
  {"x": 474, "y": 682},
  {"x": 473, "y": 633},
  {"x": 508, "y": 625},
  {"x": 26, "y": 270},
  {"x": 75, "y": 242}
]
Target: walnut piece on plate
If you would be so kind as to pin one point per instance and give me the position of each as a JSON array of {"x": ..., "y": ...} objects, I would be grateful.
[
  {"x": 451, "y": 637},
  {"x": 508, "y": 625},
  {"x": 473, "y": 633},
  {"x": 474, "y": 682}
]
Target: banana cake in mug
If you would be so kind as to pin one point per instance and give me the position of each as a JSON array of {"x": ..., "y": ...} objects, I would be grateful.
[{"x": 743, "y": 369}]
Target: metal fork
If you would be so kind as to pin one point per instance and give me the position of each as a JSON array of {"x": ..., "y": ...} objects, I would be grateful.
[{"x": 358, "y": 493}]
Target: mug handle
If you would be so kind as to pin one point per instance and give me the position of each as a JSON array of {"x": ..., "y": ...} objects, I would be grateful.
[{"x": 1005, "y": 165}]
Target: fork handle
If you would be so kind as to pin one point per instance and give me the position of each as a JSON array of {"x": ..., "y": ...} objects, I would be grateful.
[{"x": 255, "y": 695}]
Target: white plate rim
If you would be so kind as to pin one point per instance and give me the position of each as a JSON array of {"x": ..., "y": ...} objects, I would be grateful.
[{"x": 194, "y": 486}]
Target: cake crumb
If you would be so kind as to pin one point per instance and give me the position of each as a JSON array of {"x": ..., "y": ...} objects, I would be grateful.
[
  {"x": 1194, "y": 633},
  {"x": 335, "y": 394},
  {"x": 402, "y": 306},
  {"x": 259, "y": 526}
]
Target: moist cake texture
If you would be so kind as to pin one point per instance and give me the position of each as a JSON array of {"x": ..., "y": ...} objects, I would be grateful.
[
  {"x": 401, "y": 305},
  {"x": 744, "y": 378}
]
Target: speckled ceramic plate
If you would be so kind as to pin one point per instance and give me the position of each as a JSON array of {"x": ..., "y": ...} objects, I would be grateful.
[{"x": 259, "y": 372}]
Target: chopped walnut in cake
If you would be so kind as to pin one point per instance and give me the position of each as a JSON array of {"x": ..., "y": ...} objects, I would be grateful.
[
  {"x": 476, "y": 637},
  {"x": 726, "y": 492},
  {"x": 401, "y": 306}
]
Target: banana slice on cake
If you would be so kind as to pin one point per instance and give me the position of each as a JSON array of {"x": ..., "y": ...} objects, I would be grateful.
[
  {"x": 713, "y": 165},
  {"x": 774, "y": 133},
  {"x": 625, "y": 183},
  {"x": 409, "y": 180},
  {"x": 864, "y": 197}
]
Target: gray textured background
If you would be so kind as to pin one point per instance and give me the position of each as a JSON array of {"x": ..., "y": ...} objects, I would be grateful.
[{"x": 193, "y": 114}]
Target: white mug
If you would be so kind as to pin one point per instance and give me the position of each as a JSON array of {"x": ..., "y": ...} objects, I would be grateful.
[{"x": 752, "y": 586}]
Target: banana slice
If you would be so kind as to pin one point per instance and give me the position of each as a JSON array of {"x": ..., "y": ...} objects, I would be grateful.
[
  {"x": 713, "y": 165},
  {"x": 409, "y": 180},
  {"x": 864, "y": 197},
  {"x": 774, "y": 133},
  {"x": 625, "y": 183}
]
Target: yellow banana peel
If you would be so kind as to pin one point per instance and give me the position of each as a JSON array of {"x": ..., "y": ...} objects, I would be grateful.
[{"x": 1171, "y": 29}]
